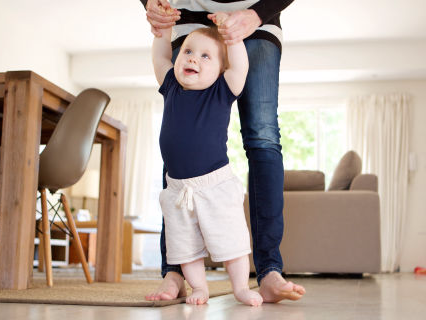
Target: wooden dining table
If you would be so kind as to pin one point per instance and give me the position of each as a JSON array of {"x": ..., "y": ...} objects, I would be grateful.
[{"x": 30, "y": 108}]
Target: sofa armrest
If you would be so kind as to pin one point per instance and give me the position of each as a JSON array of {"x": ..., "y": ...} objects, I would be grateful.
[
  {"x": 334, "y": 231},
  {"x": 364, "y": 182},
  {"x": 307, "y": 180}
]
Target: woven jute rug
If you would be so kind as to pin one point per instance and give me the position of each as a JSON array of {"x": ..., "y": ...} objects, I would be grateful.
[{"x": 127, "y": 293}]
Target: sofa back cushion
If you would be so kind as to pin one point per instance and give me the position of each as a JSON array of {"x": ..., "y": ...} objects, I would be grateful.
[
  {"x": 304, "y": 180},
  {"x": 348, "y": 168}
]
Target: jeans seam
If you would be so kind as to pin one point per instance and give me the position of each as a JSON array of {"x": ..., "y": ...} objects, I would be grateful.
[
  {"x": 255, "y": 211},
  {"x": 264, "y": 272},
  {"x": 170, "y": 268}
]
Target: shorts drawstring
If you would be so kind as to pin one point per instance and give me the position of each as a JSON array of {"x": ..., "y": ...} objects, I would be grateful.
[{"x": 185, "y": 197}]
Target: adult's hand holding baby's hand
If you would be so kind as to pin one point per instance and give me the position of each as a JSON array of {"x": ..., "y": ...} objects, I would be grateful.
[
  {"x": 237, "y": 25},
  {"x": 161, "y": 15}
]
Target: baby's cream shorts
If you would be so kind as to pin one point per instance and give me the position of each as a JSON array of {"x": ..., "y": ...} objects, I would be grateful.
[{"x": 205, "y": 214}]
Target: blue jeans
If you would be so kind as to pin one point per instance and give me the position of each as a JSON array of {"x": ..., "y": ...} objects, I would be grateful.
[{"x": 261, "y": 137}]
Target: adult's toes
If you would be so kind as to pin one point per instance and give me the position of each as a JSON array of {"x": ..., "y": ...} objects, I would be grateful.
[
  {"x": 289, "y": 286},
  {"x": 165, "y": 296},
  {"x": 299, "y": 289}
]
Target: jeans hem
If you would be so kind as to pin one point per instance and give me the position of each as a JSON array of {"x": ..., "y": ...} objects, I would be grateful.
[
  {"x": 262, "y": 274},
  {"x": 171, "y": 268}
]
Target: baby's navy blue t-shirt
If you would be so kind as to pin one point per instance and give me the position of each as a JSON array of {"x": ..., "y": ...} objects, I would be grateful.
[{"x": 194, "y": 129}]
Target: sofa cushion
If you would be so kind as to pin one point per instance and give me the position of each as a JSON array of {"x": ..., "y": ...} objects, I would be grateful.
[
  {"x": 347, "y": 169},
  {"x": 304, "y": 180}
]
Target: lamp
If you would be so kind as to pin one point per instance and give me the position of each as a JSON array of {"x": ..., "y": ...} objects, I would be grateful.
[{"x": 87, "y": 186}]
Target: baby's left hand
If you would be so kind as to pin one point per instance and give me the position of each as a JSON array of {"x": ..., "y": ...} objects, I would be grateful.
[
  {"x": 237, "y": 25},
  {"x": 218, "y": 18}
]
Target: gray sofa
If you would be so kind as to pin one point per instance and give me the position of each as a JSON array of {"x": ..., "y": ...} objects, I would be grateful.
[{"x": 329, "y": 231}]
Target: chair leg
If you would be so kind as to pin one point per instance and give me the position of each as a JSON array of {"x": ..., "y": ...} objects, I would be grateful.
[
  {"x": 47, "y": 252},
  {"x": 41, "y": 254},
  {"x": 76, "y": 240},
  {"x": 40, "y": 267}
]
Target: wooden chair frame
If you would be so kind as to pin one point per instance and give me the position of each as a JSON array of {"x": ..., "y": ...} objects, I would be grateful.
[{"x": 45, "y": 239}]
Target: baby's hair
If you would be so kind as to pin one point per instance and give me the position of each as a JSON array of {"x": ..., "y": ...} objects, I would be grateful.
[{"x": 214, "y": 34}]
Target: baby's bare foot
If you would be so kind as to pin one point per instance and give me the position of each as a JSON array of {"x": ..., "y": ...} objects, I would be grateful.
[
  {"x": 249, "y": 297},
  {"x": 172, "y": 287},
  {"x": 273, "y": 288},
  {"x": 198, "y": 296}
]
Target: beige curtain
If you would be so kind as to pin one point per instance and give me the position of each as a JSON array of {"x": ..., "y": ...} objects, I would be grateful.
[
  {"x": 378, "y": 129},
  {"x": 137, "y": 116}
]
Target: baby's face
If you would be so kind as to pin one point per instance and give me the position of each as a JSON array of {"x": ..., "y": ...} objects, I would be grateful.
[{"x": 198, "y": 63}]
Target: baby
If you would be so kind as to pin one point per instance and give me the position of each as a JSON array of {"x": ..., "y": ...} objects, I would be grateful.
[{"x": 203, "y": 202}]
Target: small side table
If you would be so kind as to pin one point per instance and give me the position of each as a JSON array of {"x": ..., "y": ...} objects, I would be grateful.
[
  {"x": 87, "y": 231},
  {"x": 88, "y": 242}
]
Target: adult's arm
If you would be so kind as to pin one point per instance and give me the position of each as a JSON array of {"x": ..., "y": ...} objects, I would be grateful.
[
  {"x": 266, "y": 9},
  {"x": 242, "y": 23}
]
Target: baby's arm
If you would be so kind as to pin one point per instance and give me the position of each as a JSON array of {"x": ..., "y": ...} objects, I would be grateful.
[
  {"x": 162, "y": 54},
  {"x": 236, "y": 74}
]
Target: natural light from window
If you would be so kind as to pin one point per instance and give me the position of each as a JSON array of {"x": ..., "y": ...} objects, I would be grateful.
[{"x": 313, "y": 138}]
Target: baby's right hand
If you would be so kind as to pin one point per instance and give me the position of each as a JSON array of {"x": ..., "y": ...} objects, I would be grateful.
[
  {"x": 168, "y": 11},
  {"x": 161, "y": 15}
]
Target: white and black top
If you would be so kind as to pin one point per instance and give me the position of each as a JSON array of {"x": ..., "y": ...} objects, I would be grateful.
[{"x": 194, "y": 16}]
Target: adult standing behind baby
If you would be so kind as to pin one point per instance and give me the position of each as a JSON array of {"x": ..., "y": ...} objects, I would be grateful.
[{"x": 258, "y": 24}]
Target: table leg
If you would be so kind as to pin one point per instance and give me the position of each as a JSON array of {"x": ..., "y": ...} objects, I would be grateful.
[
  {"x": 19, "y": 177},
  {"x": 110, "y": 212},
  {"x": 127, "y": 246}
]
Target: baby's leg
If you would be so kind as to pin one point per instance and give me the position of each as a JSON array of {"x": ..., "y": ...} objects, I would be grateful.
[
  {"x": 239, "y": 270},
  {"x": 195, "y": 274}
]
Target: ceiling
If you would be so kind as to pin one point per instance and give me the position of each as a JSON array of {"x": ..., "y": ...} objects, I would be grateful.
[{"x": 97, "y": 25}]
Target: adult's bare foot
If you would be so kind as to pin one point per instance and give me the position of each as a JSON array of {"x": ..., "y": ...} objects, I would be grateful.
[
  {"x": 172, "y": 287},
  {"x": 274, "y": 288}
]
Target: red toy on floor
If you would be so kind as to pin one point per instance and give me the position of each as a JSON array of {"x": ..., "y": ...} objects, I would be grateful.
[{"x": 419, "y": 270}]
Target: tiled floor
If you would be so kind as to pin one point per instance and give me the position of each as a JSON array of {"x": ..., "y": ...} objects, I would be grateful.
[{"x": 386, "y": 296}]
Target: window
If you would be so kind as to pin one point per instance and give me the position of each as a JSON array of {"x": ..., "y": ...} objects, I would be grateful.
[{"x": 313, "y": 138}]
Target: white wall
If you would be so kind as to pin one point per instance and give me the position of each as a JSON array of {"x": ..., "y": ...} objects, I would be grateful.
[
  {"x": 300, "y": 63},
  {"x": 23, "y": 47}
]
